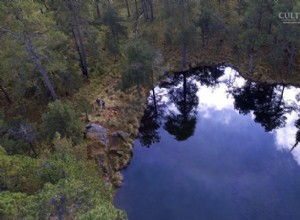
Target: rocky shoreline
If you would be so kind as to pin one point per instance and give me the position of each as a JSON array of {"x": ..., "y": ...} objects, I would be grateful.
[{"x": 112, "y": 130}]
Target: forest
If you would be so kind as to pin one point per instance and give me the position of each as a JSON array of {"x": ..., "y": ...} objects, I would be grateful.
[{"x": 75, "y": 76}]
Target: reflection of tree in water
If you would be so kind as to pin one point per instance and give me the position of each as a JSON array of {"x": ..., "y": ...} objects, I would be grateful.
[
  {"x": 184, "y": 97},
  {"x": 209, "y": 75},
  {"x": 265, "y": 101},
  {"x": 151, "y": 121},
  {"x": 181, "y": 124},
  {"x": 297, "y": 138}
]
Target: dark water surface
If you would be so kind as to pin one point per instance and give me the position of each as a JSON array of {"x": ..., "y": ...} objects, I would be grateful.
[{"x": 215, "y": 146}]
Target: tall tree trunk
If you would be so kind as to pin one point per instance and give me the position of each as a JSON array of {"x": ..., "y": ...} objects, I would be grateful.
[
  {"x": 5, "y": 94},
  {"x": 83, "y": 55},
  {"x": 151, "y": 9},
  {"x": 78, "y": 36},
  {"x": 136, "y": 9},
  {"x": 292, "y": 52},
  {"x": 37, "y": 63},
  {"x": 144, "y": 10},
  {"x": 78, "y": 49},
  {"x": 45, "y": 4},
  {"x": 98, "y": 8},
  {"x": 154, "y": 101},
  {"x": 127, "y": 6}
]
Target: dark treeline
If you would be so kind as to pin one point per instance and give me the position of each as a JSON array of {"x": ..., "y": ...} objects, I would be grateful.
[{"x": 60, "y": 43}]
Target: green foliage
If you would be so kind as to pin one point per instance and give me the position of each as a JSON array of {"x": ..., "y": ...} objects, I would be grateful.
[
  {"x": 111, "y": 45},
  {"x": 83, "y": 105},
  {"x": 14, "y": 146},
  {"x": 62, "y": 118},
  {"x": 168, "y": 34},
  {"x": 76, "y": 19},
  {"x": 19, "y": 173},
  {"x": 179, "y": 17},
  {"x": 209, "y": 22},
  {"x": 40, "y": 30},
  {"x": 113, "y": 21},
  {"x": 62, "y": 163},
  {"x": 17, "y": 135},
  {"x": 2, "y": 150},
  {"x": 9, "y": 204},
  {"x": 138, "y": 69},
  {"x": 70, "y": 185},
  {"x": 76, "y": 198}
]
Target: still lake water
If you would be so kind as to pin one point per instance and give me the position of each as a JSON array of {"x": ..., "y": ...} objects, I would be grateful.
[{"x": 215, "y": 146}]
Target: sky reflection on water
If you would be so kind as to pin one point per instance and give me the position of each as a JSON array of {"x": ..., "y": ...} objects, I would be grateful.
[
  {"x": 217, "y": 98},
  {"x": 217, "y": 147}
]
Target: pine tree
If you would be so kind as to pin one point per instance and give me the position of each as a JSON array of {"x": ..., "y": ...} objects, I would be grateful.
[
  {"x": 33, "y": 35},
  {"x": 138, "y": 67},
  {"x": 113, "y": 21},
  {"x": 74, "y": 18},
  {"x": 63, "y": 119}
]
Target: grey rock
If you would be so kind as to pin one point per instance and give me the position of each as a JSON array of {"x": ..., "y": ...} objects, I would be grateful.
[{"x": 97, "y": 133}]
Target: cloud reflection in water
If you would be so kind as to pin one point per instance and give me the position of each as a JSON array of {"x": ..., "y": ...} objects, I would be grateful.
[{"x": 219, "y": 96}]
